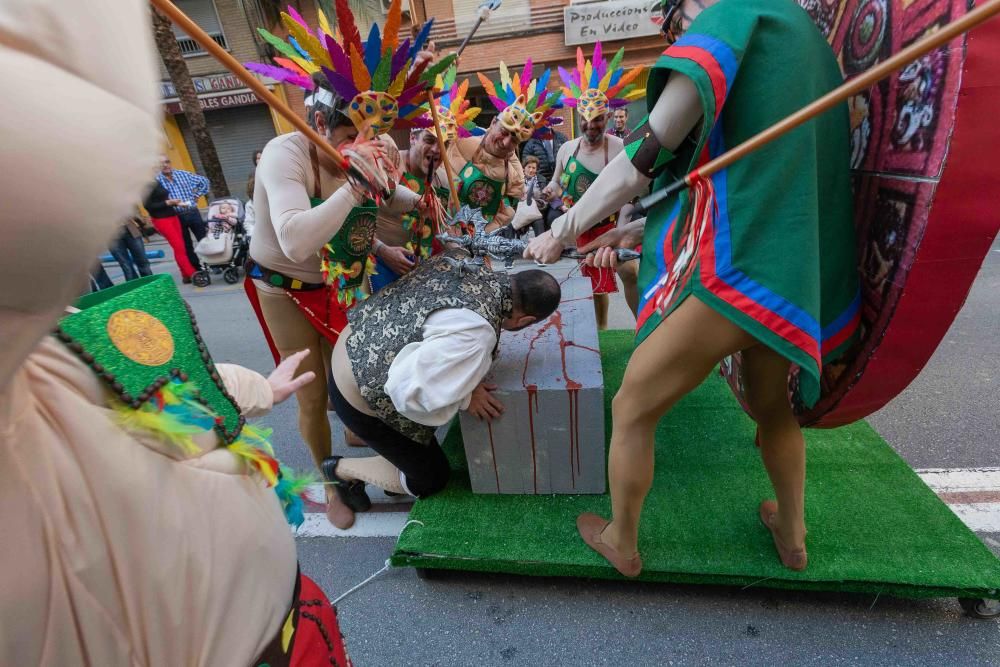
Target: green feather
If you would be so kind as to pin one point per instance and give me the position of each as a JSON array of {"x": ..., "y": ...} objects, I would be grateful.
[
  {"x": 617, "y": 60},
  {"x": 380, "y": 80},
  {"x": 430, "y": 74},
  {"x": 280, "y": 44}
]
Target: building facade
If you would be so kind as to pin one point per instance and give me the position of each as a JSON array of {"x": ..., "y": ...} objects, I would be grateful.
[
  {"x": 546, "y": 31},
  {"x": 238, "y": 121}
]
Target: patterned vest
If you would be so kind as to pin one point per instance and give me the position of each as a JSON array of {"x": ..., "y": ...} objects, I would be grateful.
[{"x": 385, "y": 323}]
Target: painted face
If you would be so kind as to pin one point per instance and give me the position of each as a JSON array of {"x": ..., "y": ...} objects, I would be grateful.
[
  {"x": 373, "y": 113},
  {"x": 592, "y": 103}
]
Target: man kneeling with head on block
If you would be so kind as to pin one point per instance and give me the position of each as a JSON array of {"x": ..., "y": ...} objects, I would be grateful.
[{"x": 413, "y": 356}]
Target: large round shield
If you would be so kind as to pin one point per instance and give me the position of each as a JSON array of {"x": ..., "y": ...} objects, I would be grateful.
[{"x": 926, "y": 159}]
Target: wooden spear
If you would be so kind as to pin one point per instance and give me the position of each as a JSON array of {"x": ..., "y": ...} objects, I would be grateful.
[
  {"x": 197, "y": 34},
  {"x": 861, "y": 82}
]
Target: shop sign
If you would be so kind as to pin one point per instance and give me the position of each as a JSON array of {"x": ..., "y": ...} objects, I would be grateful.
[
  {"x": 212, "y": 83},
  {"x": 226, "y": 101},
  {"x": 611, "y": 20}
]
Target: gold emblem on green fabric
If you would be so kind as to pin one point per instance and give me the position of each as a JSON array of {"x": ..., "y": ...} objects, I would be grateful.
[
  {"x": 141, "y": 337},
  {"x": 362, "y": 234}
]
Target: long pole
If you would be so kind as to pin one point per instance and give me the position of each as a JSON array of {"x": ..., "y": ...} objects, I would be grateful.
[
  {"x": 197, "y": 34},
  {"x": 453, "y": 193},
  {"x": 861, "y": 82}
]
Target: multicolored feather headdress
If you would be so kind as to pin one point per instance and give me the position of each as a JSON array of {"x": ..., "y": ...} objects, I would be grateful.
[
  {"x": 377, "y": 78},
  {"x": 455, "y": 113},
  {"x": 595, "y": 86},
  {"x": 525, "y": 105}
]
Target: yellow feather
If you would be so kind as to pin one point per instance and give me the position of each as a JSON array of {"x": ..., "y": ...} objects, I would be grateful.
[
  {"x": 531, "y": 89},
  {"x": 307, "y": 41},
  {"x": 605, "y": 80},
  {"x": 588, "y": 71},
  {"x": 396, "y": 87},
  {"x": 504, "y": 75},
  {"x": 304, "y": 64},
  {"x": 324, "y": 24}
]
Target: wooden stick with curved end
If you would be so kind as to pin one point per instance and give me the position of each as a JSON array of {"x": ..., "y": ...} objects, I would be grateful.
[
  {"x": 861, "y": 82},
  {"x": 453, "y": 202},
  {"x": 197, "y": 34}
]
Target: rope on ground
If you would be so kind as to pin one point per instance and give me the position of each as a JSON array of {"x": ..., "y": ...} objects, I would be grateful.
[{"x": 385, "y": 568}]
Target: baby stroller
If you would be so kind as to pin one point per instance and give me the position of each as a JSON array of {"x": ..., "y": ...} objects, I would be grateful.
[{"x": 225, "y": 246}]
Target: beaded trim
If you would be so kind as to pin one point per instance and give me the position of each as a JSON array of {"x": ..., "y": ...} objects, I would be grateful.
[{"x": 135, "y": 402}]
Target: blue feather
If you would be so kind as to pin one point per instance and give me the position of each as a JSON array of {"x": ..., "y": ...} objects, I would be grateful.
[
  {"x": 543, "y": 81},
  {"x": 594, "y": 78},
  {"x": 373, "y": 50},
  {"x": 418, "y": 42},
  {"x": 615, "y": 78},
  {"x": 302, "y": 52}
]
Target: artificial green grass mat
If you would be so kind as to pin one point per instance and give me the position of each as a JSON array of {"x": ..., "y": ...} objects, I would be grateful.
[{"x": 874, "y": 526}]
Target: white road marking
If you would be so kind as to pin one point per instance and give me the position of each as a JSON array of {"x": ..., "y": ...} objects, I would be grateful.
[
  {"x": 944, "y": 480},
  {"x": 958, "y": 487},
  {"x": 979, "y": 517},
  {"x": 367, "y": 524}
]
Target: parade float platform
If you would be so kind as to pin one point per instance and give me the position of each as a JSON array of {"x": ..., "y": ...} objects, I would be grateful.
[{"x": 874, "y": 526}]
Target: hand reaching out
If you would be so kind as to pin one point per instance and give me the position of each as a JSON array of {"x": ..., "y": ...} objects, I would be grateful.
[{"x": 283, "y": 381}]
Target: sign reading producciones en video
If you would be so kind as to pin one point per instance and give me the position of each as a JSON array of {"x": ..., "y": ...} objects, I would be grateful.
[{"x": 611, "y": 20}]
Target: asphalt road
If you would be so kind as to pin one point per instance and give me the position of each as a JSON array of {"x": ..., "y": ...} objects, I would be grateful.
[{"x": 948, "y": 417}]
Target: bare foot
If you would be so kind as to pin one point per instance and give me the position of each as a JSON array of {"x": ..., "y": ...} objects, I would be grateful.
[
  {"x": 792, "y": 557},
  {"x": 592, "y": 528}
]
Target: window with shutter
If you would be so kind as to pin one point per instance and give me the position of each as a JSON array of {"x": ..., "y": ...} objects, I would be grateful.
[
  {"x": 203, "y": 13},
  {"x": 513, "y": 17}
]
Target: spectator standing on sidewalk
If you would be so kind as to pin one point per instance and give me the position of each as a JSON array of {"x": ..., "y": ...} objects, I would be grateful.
[
  {"x": 163, "y": 215},
  {"x": 129, "y": 251},
  {"x": 185, "y": 187}
]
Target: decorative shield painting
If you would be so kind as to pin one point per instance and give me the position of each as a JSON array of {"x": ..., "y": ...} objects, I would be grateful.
[{"x": 927, "y": 192}]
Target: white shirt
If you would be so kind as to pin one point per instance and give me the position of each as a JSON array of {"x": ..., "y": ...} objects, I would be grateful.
[{"x": 432, "y": 379}]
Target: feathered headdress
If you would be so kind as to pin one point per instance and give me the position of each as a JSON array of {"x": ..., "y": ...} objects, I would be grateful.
[
  {"x": 594, "y": 86},
  {"x": 376, "y": 77},
  {"x": 455, "y": 113},
  {"x": 525, "y": 105}
]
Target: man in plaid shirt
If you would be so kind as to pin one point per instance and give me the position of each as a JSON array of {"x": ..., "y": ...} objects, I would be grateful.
[{"x": 185, "y": 187}]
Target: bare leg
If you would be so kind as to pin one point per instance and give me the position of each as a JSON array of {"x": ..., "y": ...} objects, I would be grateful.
[
  {"x": 373, "y": 470},
  {"x": 672, "y": 361},
  {"x": 601, "y": 302},
  {"x": 629, "y": 274},
  {"x": 782, "y": 448}
]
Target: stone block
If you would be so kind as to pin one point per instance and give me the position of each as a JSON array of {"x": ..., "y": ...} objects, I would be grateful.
[{"x": 550, "y": 439}]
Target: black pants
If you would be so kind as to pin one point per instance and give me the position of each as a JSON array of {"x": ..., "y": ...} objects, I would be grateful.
[
  {"x": 425, "y": 466},
  {"x": 192, "y": 223}
]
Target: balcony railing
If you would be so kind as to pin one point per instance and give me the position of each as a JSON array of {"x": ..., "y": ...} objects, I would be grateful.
[
  {"x": 189, "y": 47},
  {"x": 542, "y": 19}
]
